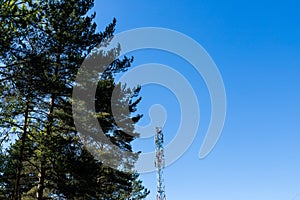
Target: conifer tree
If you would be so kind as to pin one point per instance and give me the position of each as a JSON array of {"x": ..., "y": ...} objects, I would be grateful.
[{"x": 45, "y": 44}]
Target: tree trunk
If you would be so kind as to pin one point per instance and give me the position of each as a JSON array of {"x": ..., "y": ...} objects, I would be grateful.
[
  {"x": 20, "y": 161},
  {"x": 42, "y": 173},
  {"x": 41, "y": 184},
  {"x": 41, "y": 176}
]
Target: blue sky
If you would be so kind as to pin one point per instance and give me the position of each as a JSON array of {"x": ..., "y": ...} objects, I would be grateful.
[{"x": 256, "y": 47}]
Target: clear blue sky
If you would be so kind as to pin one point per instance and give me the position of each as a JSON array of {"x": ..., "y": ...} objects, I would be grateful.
[{"x": 256, "y": 46}]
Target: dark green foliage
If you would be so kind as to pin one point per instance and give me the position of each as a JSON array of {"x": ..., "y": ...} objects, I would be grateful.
[{"x": 42, "y": 45}]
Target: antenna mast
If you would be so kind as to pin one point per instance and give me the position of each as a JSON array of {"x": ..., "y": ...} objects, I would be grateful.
[{"x": 160, "y": 164}]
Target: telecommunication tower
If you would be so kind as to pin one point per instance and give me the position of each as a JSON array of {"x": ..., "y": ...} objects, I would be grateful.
[{"x": 160, "y": 163}]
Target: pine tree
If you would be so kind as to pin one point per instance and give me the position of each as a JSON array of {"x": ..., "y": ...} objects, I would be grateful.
[{"x": 40, "y": 58}]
